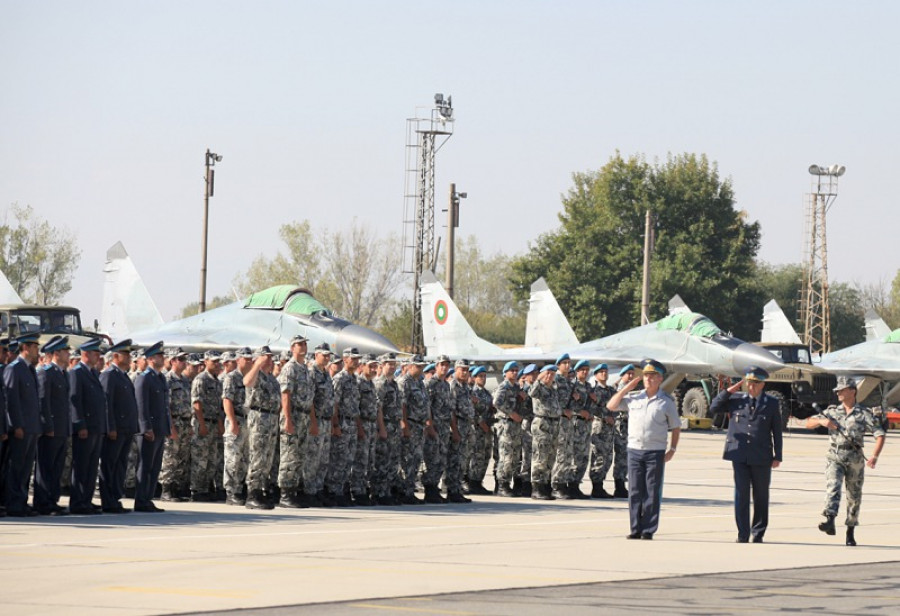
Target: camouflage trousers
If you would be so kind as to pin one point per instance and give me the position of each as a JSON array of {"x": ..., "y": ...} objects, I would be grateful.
[
  {"x": 262, "y": 441},
  {"x": 176, "y": 462},
  {"x": 435, "y": 452},
  {"x": 620, "y": 449},
  {"x": 544, "y": 434},
  {"x": 66, "y": 479},
  {"x": 564, "y": 465},
  {"x": 363, "y": 459},
  {"x": 386, "y": 471},
  {"x": 581, "y": 447},
  {"x": 458, "y": 457},
  {"x": 603, "y": 436},
  {"x": 219, "y": 474},
  {"x": 203, "y": 456},
  {"x": 509, "y": 446},
  {"x": 130, "y": 470},
  {"x": 847, "y": 467},
  {"x": 411, "y": 456},
  {"x": 343, "y": 450},
  {"x": 315, "y": 457},
  {"x": 481, "y": 444},
  {"x": 525, "y": 468},
  {"x": 237, "y": 455},
  {"x": 291, "y": 450}
]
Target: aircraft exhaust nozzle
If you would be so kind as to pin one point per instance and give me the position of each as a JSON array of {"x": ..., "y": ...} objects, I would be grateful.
[
  {"x": 747, "y": 355},
  {"x": 363, "y": 339}
]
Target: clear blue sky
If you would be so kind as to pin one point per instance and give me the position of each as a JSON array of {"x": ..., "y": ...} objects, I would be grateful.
[{"x": 108, "y": 107}]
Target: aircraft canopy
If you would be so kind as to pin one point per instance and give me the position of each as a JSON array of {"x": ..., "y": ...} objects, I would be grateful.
[
  {"x": 294, "y": 300},
  {"x": 692, "y": 323}
]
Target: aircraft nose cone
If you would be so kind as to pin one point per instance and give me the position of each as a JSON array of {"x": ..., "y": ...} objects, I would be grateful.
[
  {"x": 363, "y": 339},
  {"x": 746, "y": 355}
]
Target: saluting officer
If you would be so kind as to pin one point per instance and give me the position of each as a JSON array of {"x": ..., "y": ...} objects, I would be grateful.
[
  {"x": 23, "y": 409},
  {"x": 155, "y": 425},
  {"x": 122, "y": 419},
  {"x": 754, "y": 446},
  {"x": 89, "y": 424},
  {"x": 53, "y": 389}
]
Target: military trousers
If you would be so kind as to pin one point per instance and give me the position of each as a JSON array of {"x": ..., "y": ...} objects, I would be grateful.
[
  {"x": 480, "y": 445},
  {"x": 237, "y": 455},
  {"x": 848, "y": 467},
  {"x": 48, "y": 470},
  {"x": 386, "y": 472},
  {"x": 176, "y": 462},
  {"x": 19, "y": 464},
  {"x": 340, "y": 458},
  {"x": 203, "y": 456},
  {"x": 149, "y": 464},
  {"x": 458, "y": 457},
  {"x": 564, "y": 465},
  {"x": 315, "y": 457},
  {"x": 261, "y": 441},
  {"x": 363, "y": 458},
  {"x": 113, "y": 467},
  {"x": 509, "y": 445},
  {"x": 412, "y": 450},
  {"x": 603, "y": 436},
  {"x": 525, "y": 469},
  {"x": 645, "y": 482},
  {"x": 85, "y": 466},
  {"x": 751, "y": 479},
  {"x": 291, "y": 450},
  {"x": 581, "y": 446},
  {"x": 544, "y": 435},
  {"x": 435, "y": 451}
]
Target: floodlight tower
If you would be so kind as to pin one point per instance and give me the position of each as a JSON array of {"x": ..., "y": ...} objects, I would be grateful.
[
  {"x": 425, "y": 135},
  {"x": 814, "y": 309}
]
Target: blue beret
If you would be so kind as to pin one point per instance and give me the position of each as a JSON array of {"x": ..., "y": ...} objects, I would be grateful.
[
  {"x": 519, "y": 374},
  {"x": 90, "y": 345},
  {"x": 562, "y": 358},
  {"x": 600, "y": 367},
  {"x": 529, "y": 369},
  {"x": 755, "y": 373},
  {"x": 628, "y": 368},
  {"x": 56, "y": 343},
  {"x": 428, "y": 368},
  {"x": 510, "y": 365},
  {"x": 154, "y": 349},
  {"x": 477, "y": 370},
  {"x": 582, "y": 363},
  {"x": 549, "y": 368},
  {"x": 651, "y": 365}
]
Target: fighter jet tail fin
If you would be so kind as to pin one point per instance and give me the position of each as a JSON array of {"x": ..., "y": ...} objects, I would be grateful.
[
  {"x": 546, "y": 327},
  {"x": 677, "y": 305},
  {"x": 8, "y": 294},
  {"x": 776, "y": 327},
  {"x": 445, "y": 329},
  {"x": 876, "y": 328},
  {"x": 127, "y": 305}
]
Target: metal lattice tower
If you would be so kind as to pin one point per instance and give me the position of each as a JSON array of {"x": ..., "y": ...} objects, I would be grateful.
[
  {"x": 815, "y": 315},
  {"x": 424, "y": 137}
]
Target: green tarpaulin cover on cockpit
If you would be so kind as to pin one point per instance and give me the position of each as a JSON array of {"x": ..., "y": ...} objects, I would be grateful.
[
  {"x": 692, "y": 323},
  {"x": 894, "y": 336}
]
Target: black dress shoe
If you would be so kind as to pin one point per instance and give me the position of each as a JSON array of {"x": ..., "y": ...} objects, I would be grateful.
[
  {"x": 148, "y": 508},
  {"x": 97, "y": 508},
  {"x": 117, "y": 509},
  {"x": 757, "y": 538},
  {"x": 742, "y": 540},
  {"x": 647, "y": 536},
  {"x": 634, "y": 536},
  {"x": 83, "y": 510},
  {"x": 28, "y": 512}
]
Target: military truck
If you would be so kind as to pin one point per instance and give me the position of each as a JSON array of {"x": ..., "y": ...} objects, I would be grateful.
[
  {"x": 18, "y": 319},
  {"x": 797, "y": 386}
]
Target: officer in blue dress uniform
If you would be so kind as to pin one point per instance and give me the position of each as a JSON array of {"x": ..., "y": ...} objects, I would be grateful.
[
  {"x": 23, "y": 410},
  {"x": 122, "y": 418},
  {"x": 53, "y": 390},
  {"x": 154, "y": 425},
  {"x": 754, "y": 446},
  {"x": 89, "y": 424}
]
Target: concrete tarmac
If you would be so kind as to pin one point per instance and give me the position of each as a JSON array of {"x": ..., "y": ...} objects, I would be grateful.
[{"x": 201, "y": 557}]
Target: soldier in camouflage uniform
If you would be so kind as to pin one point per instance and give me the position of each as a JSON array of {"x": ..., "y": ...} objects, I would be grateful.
[
  {"x": 564, "y": 465},
  {"x": 582, "y": 405},
  {"x": 415, "y": 410},
  {"x": 365, "y": 445},
  {"x": 263, "y": 403},
  {"x": 386, "y": 471},
  {"x": 602, "y": 432},
  {"x": 236, "y": 438},
  {"x": 620, "y": 439},
  {"x": 463, "y": 414},
  {"x": 481, "y": 439},
  {"x": 208, "y": 427},
  {"x": 507, "y": 399},
  {"x": 523, "y": 486},
  {"x": 229, "y": 364},
  {"x": 845, "y": 462},
  {"x": 318, "y": 441},
  {"x": 296, "y": 401},
  {"x": 544, "y": 431},
  {"x": 175, "y": 474},
  {"x": 346, "y": 427},
  {"x": 437, "y": 440}
]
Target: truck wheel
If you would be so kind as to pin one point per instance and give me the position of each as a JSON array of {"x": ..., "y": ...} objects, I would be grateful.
[
  {"x": 695, "y": 403},
  {"x": 783, "y": 407},
  {"x": 678, "y": 397}
]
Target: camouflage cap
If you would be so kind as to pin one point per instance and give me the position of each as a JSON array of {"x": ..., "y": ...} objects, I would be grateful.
[
  {"x": 228, "y": 356},
  {"x": 845, "y": 382},
  {"x": 244, "y": 352}
]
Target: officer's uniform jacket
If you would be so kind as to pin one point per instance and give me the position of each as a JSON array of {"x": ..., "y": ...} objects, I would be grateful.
[
  {"x": 87, "y": 400},
  {"x": 23, "y": 406},
  {"x": 121, "y": 406},
  {"x": 53, "y": 390},
  {"x": 152, "y": 403},
  {"x": 754, "y": 429}
]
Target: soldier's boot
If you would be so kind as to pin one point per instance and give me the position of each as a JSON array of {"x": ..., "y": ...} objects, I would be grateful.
[
  {"x": 457, "y": 497},
  {"x": 561, "y": 492},
  {"x": 258, "y": 501},
  {"x": 325, "y": 499},
  {"x": 200, "y": 497},
  {"x": 466, "y": 488},
  {"x": 621, "y": 491},
  {"x": 433, "y": 496},
  {"x": 385, "y": 501},
  {"x": 599, "y": 491},
  {"x": 526, "y": 489},
  {"x": 411, "y": 499},
  {"x": 827, "y": 526},
  {"x": 342, "y": 501},
  {"x": 477, "y": 487},
  {"x": 292, "y": 500},
  {"x": 541, "y": 491},
  {"x": 496, "y": 483},
  {"x": 235, "y": 498},
  {"x": 168, "y": 494},
  {"x": 851, "y": 540},
  {"x": 575, "y": 491},
  {"x": 505, "y": 491},
  {"x": 362, "y": 500}
]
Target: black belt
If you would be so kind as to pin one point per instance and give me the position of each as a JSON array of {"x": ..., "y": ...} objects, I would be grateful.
[
  {"x": 262, "y": 410},
  {"x": 846, "y": 447}
]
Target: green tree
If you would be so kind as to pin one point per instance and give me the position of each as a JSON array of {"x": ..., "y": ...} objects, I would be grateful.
[
  {"x": 38, "y": 259},
  {"x": 705, "y": 248}
]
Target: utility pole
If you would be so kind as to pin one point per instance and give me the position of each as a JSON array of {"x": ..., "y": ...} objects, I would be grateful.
[
  {"x": 209, "y": 180},
  {"x": 649, "y": 241},
  {"x": 452, "y": 225}
]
